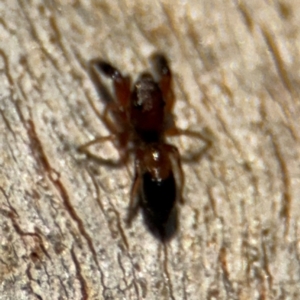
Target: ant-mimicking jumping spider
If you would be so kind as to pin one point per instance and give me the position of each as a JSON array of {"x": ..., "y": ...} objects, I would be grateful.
[{"x": 139, "y": 120}]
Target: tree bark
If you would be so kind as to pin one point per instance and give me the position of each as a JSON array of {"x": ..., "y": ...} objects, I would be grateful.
[{"x": 236, "y": 80}]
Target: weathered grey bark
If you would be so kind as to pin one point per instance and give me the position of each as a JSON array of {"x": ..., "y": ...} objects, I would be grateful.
[{"x": 236, "y": 67}]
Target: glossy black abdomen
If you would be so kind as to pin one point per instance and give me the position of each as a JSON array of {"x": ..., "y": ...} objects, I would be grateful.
[{"x": 158, "y": 205}]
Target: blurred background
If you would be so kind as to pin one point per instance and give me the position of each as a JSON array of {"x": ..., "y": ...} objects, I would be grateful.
[{"x": 236, "y": 80}]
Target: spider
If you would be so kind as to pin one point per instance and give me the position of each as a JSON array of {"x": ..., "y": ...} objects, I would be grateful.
[{"x": 139, "y": 119}]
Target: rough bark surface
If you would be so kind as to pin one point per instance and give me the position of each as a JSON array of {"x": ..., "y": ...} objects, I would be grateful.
[{"x": 236, "y": 77}]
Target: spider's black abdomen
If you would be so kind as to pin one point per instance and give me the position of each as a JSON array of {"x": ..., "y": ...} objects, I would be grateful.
[
  {"x": 159, "y": 196},
  {"x": 158, "y": 205}
]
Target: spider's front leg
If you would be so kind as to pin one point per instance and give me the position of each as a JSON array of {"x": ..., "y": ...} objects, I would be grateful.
[
  {"x": 121, "y": 83},
  {"x": 164, "y": 74},
  {"x": 115, "y": 112}
]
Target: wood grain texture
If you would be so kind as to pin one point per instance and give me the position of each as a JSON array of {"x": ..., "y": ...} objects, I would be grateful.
[{"x": 236, "y": 77}]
